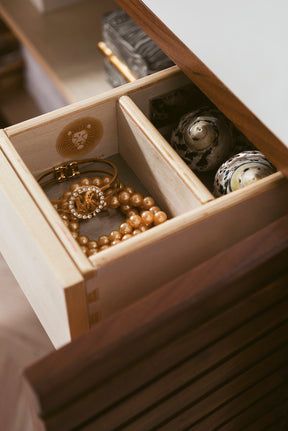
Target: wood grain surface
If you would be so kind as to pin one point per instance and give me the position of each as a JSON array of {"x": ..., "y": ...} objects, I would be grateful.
[{"x": 207, "y": 348}]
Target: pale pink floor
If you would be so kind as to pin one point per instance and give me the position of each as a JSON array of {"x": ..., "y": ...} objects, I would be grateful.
[{"x": 22, "y": 342}]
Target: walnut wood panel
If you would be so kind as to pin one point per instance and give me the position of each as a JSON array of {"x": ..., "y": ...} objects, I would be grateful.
[
  {"x": 186, "y": 382},
  {"x": 277, "y": 426},
  {"x": 204, "y": 78},
  {"x": 253, "y": 419},
  {"x": 136, "y": 351},
  {"x": 264, "y": 394},
  {"x": 216, "y": 371},
  {"x": 192, "y": 400}
]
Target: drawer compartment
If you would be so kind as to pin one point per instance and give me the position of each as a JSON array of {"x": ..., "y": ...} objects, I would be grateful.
[{"x": 198, "y": 225}]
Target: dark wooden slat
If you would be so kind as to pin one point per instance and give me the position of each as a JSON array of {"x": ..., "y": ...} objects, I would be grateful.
[
  {"x": 277, "y": 426},
  {"x": 104, "y": 396},
  {"x": 284, "y": 422},
  {"x": 198, "y": 407},
  {"x": 205, "y": 393},
  {"x": 232, "y": 407},
  {"x": 210, "y": 289},
  {"x": 209, "y": 83},
  {"x": 190, "y": 368},
  {"x": 93, "y": 361},
  {"x": 186, "y": 373},
  {"x": 262, "y": 414}
]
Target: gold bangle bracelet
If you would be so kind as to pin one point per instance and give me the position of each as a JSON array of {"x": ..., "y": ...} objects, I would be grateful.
[{"x": 70, "y": 170}]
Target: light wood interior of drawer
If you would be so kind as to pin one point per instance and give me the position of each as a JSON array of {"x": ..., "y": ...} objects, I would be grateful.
[
  {"x": 148, "y": 154},
  {"x": 47, "y": 275},
  {"x": 182, "y": 243},
  {"x": 129, "y": 141},
  {"x": 146, "y": 160},
  {"x": 195, "y": 231},
  {"x": 125, "y": 137}
]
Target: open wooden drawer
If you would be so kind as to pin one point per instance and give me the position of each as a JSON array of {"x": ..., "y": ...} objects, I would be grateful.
[{"x": 70, "y": 292}]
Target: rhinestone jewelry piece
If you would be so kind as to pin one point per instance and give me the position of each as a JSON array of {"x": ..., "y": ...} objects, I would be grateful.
[{"x": 86, "y": 202}]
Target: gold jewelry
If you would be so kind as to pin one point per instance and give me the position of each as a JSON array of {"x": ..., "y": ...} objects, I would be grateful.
[
  {"x": 70, "y": 170},
  {"x": 91, "y": 196},
  {"x": 88, "y": 200},
  {"x": 141, "y": 214}
]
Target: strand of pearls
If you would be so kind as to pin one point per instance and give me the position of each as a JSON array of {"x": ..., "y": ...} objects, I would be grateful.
[{"x": 140, "y": 212}]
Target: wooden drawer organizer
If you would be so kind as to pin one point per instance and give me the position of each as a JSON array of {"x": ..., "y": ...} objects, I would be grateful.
[{"x": 69, "y": 292}]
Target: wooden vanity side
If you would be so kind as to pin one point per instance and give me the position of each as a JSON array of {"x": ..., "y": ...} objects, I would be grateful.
[{"x": 210, "y": 345}]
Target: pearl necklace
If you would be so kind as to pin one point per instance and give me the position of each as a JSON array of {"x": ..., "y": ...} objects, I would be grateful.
[{"x": 140, "y": 212}]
